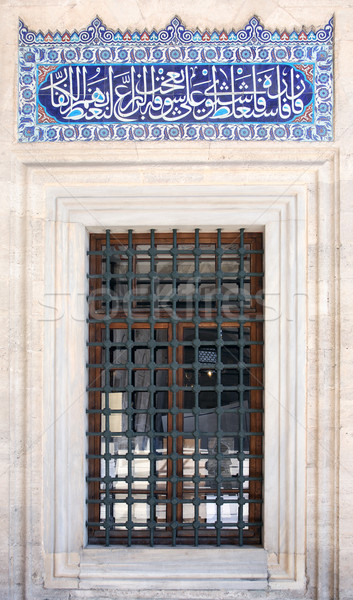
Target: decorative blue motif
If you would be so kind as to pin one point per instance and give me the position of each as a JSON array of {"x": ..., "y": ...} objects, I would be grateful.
[{"x": 100, "y": 84}]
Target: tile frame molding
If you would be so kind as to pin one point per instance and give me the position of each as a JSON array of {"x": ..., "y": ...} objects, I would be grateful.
[{"x": 291, "y": 205}]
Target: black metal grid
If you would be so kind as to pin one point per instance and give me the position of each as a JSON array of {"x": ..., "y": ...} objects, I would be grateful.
[{"x": 196, "y": 333}]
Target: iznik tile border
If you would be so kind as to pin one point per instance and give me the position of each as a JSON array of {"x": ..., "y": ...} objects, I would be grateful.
[{"x": 195, "y": 58}]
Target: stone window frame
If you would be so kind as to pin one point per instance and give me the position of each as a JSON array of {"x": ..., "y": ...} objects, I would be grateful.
[
  {"x": 292, "y": 209},
  {"x": 70, "y": 244}
]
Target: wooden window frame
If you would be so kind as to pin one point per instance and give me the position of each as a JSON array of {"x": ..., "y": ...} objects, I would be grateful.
[{"x": 255, "y": 309}]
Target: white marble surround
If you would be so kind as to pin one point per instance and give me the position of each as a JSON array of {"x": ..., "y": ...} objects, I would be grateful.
[
  {"x": 281, "y": 213},
  {"x": 289, "y": 201}
]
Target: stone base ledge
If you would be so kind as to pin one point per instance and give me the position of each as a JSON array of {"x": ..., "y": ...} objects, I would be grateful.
[{"x": 174, "y": 568}]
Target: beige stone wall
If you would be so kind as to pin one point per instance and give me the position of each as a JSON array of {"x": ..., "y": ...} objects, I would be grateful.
[{"x": 325, "y": 173}]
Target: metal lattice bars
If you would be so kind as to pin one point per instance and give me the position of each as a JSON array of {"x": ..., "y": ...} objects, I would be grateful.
[{"x": 175, "y": 388}]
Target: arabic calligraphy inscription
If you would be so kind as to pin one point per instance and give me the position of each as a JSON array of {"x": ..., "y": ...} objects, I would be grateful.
[
  {"x": 175, "y": 93},
  {"x": 175, "y": 85}
]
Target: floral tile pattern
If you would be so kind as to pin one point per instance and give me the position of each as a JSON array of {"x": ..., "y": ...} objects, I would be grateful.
[{"x": 175, "y": 84}]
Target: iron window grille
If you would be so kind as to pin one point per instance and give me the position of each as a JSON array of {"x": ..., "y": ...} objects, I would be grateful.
[{"x": 175, "y": 388}]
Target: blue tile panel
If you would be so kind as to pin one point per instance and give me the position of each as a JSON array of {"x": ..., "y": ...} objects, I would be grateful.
[{"x": 175, "y": 84}]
